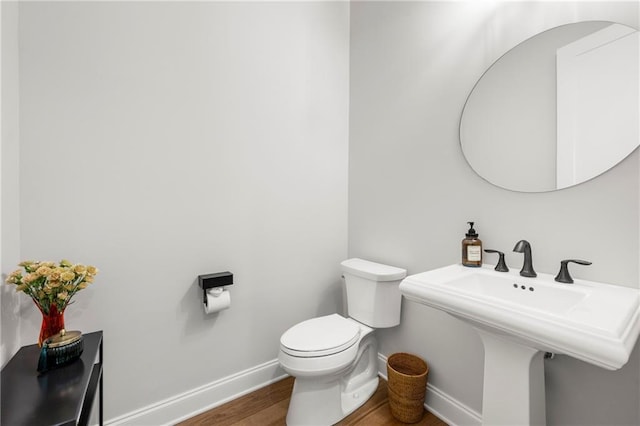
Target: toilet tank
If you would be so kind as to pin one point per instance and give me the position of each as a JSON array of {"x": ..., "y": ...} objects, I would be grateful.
[{"x": 373, "y": 293}]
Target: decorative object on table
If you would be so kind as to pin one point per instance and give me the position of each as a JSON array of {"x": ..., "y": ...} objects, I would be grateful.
[
  {"x": 51, "y": 286},
  {"x": 60, "y": 349}
]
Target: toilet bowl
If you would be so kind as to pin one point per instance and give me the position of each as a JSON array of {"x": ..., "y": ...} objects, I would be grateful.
[
  {"x": 333, "y": 358},
  {"x": 335, "y": 374}
]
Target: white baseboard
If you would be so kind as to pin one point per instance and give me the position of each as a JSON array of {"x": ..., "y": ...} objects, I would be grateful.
[
  {"x": 188, "y": 404},
  {"x": 443, "y": 405},
  {"x": 191, "y": 403}
]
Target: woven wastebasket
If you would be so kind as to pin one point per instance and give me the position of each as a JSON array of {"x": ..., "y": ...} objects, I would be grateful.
[{"x": 407, "y": 386}]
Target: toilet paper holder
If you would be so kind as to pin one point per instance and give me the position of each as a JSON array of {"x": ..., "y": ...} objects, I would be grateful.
[{"x": 208, "y": 281}]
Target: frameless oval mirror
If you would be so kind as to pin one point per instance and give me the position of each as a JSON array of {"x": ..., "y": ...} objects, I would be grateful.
[{"x": 556, "y": 110}]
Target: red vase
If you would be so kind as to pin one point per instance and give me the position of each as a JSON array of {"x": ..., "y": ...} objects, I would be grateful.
[{"x": 52, "y": 323}]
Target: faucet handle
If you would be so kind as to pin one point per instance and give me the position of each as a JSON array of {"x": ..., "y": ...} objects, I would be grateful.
[
  {"x": 501, "y": 266},
  {"x": 563, "y": 276}
]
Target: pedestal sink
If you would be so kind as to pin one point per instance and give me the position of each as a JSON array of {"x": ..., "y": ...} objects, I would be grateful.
[{"x": 519, "y": 319}]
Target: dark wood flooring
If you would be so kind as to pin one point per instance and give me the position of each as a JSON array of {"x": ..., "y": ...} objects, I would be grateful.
[{"x": 268, "y": 406}]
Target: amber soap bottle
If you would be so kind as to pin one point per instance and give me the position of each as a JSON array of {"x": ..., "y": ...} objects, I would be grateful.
[{"x": 471, "y": 248}]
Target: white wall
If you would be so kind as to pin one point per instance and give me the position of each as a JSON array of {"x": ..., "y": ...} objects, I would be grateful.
[
  {"x": 160, "y": 141},
  {"x": 10, "y": 302},
  {"x": 411, "y": 190}
]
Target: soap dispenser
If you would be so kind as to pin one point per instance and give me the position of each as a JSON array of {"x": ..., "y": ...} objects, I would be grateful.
[{"x": 471, "y": 248}]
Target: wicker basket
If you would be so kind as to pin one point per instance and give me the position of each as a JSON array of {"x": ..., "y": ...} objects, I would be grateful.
[{"x": 407, "y": 386}]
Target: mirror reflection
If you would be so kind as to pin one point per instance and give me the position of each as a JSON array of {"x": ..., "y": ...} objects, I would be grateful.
[{"x": 556, "y": 110}]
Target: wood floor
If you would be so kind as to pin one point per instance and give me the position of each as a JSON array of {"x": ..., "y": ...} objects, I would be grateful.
[{"x": 268, "y": 406}]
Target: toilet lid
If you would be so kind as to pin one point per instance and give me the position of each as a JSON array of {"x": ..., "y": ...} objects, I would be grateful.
[{"x": 320, "y": 336}]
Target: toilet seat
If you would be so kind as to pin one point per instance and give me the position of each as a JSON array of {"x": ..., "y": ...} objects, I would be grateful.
[{"x": 320, "y": 336}]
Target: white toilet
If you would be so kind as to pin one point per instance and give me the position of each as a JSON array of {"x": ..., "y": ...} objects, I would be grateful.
[{"x": 333, "y": 358}]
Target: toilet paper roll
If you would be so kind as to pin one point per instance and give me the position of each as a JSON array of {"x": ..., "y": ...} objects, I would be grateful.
[{"x": 218, "y": 299}]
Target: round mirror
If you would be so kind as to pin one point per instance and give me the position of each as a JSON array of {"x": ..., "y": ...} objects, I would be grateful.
[{"x": 556, "y": 110}]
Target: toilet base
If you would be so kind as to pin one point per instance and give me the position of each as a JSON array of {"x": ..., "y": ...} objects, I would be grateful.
[
  {"x": 325, "y": 400},
  {"x": 305, "y": 409},
  {"x": 355, "y": 399}
]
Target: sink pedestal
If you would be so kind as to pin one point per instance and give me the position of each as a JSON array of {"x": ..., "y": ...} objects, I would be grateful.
[{"x": 514, "y": 391}]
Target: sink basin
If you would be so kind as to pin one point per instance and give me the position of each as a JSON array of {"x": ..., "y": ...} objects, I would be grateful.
[
  {"x": 519, "y": 319},
  {"x": 595, "y": 322},
  {"x": 519, "y": 293}
]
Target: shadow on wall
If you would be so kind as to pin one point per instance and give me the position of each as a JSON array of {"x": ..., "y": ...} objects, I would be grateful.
[
  {"x": 10, "y": 307},
  {"x": 191, "y": 307},
  {"x": 333, "y": 299}
]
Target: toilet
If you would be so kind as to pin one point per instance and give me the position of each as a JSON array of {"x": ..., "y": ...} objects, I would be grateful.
[{"x": 335, "y": 359}]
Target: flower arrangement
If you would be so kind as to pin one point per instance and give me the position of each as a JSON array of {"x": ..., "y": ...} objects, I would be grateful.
[{"x": 52, "y": 286}]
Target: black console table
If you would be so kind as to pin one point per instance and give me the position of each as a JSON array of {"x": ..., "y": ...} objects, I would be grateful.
[{"x": 63, "y": 396}]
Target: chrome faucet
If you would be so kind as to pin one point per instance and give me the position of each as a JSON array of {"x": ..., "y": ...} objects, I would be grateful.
[{"x": 523, "y": 246}]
